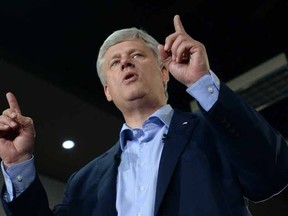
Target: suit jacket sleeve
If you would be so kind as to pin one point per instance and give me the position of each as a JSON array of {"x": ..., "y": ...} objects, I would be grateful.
[
  {"x": 33, "y": 201},
  {"x": 257, "y": 151}
]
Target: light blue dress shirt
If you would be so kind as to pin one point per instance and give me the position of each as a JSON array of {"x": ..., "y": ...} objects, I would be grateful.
[
  {"x": 142, "y": 147},
  {"x": 137, "y": 172}
]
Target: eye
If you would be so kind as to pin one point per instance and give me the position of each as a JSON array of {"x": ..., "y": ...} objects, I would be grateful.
[
  {"x": 137, "y": 55},
  {"x": 114, "y": 63}
]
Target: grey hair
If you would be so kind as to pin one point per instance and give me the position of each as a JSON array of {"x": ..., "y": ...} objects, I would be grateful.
[{"x": 125, "y": 35}]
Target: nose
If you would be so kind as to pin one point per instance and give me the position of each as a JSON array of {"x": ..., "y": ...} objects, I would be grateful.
[{"x": 126, "y": 64}]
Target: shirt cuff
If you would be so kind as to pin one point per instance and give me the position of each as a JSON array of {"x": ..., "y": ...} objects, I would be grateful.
[
  {"x": 18, "y": 177},
  {"x": 206, "y": 90}
]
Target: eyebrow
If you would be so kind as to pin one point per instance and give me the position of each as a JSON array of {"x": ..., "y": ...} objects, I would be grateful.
[{"x": 117, "y": 55}]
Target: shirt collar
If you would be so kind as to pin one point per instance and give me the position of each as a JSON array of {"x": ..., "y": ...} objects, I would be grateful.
[{"x": 164, "y": 114}]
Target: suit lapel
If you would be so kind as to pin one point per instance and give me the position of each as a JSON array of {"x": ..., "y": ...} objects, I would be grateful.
[
  {"x": 178, "y": 135},
  {"x": 107, "y": 192}
]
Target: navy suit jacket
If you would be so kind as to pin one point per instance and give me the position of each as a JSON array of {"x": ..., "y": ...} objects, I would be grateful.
[{"x": 211, "y": 163}]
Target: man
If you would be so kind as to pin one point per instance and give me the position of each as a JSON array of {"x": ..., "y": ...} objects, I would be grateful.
[{"x": 166, "y": 162}]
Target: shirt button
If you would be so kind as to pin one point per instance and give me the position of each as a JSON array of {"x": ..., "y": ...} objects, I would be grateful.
[
  {"x": 139, "y": 214},
  {"x": 210, "y": 89},
  {"x": 142, "y": 188},
  {"x": 135, "y": 132},
  {"x": 19, "y": 178}
]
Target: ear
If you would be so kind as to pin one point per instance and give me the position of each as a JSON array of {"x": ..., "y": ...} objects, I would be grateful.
[
  {"x": 165, "y": 74},
  {"x": 107, "y": 93}
]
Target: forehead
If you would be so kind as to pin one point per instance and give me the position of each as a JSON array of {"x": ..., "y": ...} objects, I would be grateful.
[{"x": 126, "y": 47}]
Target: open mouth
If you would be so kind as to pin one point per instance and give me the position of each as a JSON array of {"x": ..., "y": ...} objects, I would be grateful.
[{"x": 129, "y": 77}]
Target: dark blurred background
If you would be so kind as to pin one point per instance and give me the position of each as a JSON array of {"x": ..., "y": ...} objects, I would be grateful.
[{"x": 48, "y": 51}]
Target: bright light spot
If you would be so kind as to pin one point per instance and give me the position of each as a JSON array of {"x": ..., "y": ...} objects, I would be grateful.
[{"x": 69, "y": 144}]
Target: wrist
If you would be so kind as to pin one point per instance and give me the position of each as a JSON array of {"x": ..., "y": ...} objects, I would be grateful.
[{"x": 21, "y": 159}]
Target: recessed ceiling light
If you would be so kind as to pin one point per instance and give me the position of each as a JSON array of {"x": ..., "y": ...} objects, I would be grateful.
[{"x": 68, "y": 144}]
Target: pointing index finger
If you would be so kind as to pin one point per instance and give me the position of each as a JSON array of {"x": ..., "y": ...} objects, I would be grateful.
[
  {"x": 178, "y": 24},
  {"x": 13, "y": 103}
]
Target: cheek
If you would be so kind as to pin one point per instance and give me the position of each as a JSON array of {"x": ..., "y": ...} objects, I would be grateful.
[
  {"x": 155, "y": 77},
  {"x": 112, "y": 80}
]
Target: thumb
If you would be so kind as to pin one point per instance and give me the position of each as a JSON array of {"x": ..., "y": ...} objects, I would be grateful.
[{"x": 26, "y": 124}]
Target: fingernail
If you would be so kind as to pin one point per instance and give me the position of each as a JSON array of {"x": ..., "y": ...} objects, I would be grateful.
[{"x": 13, "y": 124}]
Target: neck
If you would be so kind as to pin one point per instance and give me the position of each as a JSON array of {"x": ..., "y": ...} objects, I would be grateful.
[{"x": 135, "y": 116}]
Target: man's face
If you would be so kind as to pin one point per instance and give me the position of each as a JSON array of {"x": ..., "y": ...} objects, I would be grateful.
[{"x": 132, "y": 73}]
